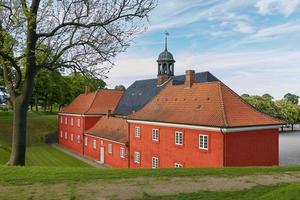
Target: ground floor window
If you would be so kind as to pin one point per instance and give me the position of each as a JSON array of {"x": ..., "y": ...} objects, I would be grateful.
[
  {"x": 137, "y": 157},
  {"x": 122, "y": 152},
  {"x": 61, "y": 134},
  {"x": 203, "y": 142},
  {"x": 178, "y": 165},
  {"x": 66, "y": 135},
  {"x": 94, "y": 144},
  {"x": 72, "y": 137},
  {"x": 155, "y": 162},
  {"x": 110, "y": 149},
  {"x": 85, "y": 141},
  {"x": 178, "y": 138},
  {"x": 78, "y": 139}
]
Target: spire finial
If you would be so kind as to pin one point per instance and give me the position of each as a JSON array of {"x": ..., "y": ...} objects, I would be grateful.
[{"x": 166, "y": 40}]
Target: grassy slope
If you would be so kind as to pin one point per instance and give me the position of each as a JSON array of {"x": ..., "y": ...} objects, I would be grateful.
[{"x": 38, "y": 154}]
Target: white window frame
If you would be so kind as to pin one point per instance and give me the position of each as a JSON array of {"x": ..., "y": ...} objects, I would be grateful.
[
  {"x": 72, "y": 137},
  {"x": 61, "y": 134},
  {"x": 155, "y": 162},
  {"x": 137, "y": 157},
  {"x": 177, "y": 142},
  {"x": 137, "y": 132},
  {"x": 122, "y": 152},
  {"x": 66, "y": 135},
  {"x": 94, "y": 144},
  {"x": 78, "y": 122},
  {"x": 178, "y": 165},
  {"x": 72, "y": 121},
  {"x": 202, "y": 142},
  {"x": 85, "y": 141},
  {"x": 61, "y": 119},
  {"x": 110, "y": 148},
  {"x": 155, "y": 134},
  {"x": 66, "y": 120},
  {"x": 78, "y": 139}
]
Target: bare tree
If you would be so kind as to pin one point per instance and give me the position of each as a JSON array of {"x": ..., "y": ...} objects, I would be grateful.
[{"x": 82, "y": 35}]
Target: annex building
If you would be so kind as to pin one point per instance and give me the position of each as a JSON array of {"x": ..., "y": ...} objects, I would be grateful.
[{"x": 191, "y": 120}]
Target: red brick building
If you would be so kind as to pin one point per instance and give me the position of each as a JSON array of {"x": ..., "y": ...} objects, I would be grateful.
[{"x": 190, "y": 120}]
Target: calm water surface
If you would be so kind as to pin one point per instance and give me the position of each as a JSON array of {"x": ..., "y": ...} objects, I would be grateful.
[{"x": 289, "y": 148}]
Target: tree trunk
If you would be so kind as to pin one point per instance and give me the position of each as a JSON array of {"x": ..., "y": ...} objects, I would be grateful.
[
  {"x": 36, "y": 103},
  {"x": 292, "y": 127},
  {"x": 18, "y": 151}
]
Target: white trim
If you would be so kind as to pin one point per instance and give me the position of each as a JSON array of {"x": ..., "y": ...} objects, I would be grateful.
[
  {"x": 104, "y": 139},
  {"x": 199, "y": 141},
  {"x": 207, "y": 128}
]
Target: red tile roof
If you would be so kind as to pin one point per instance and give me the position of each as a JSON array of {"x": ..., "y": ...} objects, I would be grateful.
[
  {"x": 98, "y": 102},
  {"x": 111, "y": 128},
  {"x": 207, "y": 104}
]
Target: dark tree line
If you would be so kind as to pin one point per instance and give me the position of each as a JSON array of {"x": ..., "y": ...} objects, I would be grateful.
[{"x": 286, "y": 109}]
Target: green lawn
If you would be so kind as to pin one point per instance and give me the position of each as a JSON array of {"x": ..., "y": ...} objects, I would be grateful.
[{"x": 38, "y": 154}]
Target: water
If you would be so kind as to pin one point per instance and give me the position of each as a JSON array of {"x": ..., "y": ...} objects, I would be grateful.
[{"x": 289, "y": 148}]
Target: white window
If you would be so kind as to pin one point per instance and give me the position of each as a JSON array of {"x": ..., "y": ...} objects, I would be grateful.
[
  {"x": 66, "y": 135},
  {"x": 179, "y": 138},
  {"x": 61, "y": 119},
  {"x": 203, "y": 142},
  {"x": 94, "y": 144},
  {"x": 72, "y": 137},
  {"x": 137, "y": 157},
  {"x": 137, "y": 132},
  {"x": 72, "y": 121},
  {"x": 85, "y": 141},
  {"x": 122, "y": 152},
  {"x": 178, "y": 165},
  {"x": 61, "y": 134},
  {"x": 78, "y": 139},
  {"x": 66, "y": 120},
  {"x": 78, "y": 122},
  {"x": 110, "y": 148},
  {"x": 155, "y": 135},
  {"x": 155, "y": 162}
]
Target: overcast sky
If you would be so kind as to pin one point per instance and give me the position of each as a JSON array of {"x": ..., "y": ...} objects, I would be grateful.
[{"x": 253, "y": 46}]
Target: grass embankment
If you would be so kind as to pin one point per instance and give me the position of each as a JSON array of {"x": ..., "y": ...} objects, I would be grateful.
[{"x": 38, "y": 154}]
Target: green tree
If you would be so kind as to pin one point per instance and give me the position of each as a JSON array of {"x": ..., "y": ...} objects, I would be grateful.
[
  {"x": 292, "y": 98},
  {"x": 120, "y": 87},
  {"x": 79, "y": 35},
  {"x": 288, "y": 112}
]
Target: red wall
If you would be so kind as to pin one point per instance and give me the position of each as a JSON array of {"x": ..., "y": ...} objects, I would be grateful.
[
  {"x": 252, "y": 148},
  {"x": 114, "y": 159},
  {"x": 168, "y": 153}
]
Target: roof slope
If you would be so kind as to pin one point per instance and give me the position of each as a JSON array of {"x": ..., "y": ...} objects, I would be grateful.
[
  {"x": 111, "y": 128},
  {"x": 98, "y": 102},
  {"x": 142, "y": 91},
  {"x": 207, "y": 104}
]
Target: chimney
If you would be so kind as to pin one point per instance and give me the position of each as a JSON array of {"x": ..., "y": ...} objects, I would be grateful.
[
  {"x": 87, "y": 89},
  {"x": 189, "y": 78},
  {"x": 108, "y": 113}
]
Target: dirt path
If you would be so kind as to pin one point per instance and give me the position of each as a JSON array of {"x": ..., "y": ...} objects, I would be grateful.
[{"x": 132, "y": 188}]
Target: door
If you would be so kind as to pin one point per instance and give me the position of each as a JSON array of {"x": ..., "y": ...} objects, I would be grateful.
[{"x": 102, "y": 155}]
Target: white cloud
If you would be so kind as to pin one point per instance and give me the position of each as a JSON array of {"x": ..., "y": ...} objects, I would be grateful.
[{"x": 271, "y": 7}]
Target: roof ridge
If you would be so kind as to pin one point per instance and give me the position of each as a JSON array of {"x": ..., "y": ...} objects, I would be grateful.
[
  {"x": 97, "y": 92},
  {"x": 222, "y": 103},
  {"x": 250, "y": 106}
]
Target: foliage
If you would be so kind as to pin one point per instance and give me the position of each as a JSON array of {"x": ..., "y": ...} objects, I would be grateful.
[
  {"x": 120, "y": 87},
  {"x": 291, "y": 98},
  {"x": 288, "y": 112}
]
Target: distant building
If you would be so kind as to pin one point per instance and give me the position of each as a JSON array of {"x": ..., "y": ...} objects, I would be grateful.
[{"x": 192, "y": 120}]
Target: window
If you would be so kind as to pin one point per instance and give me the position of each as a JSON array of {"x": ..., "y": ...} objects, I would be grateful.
[
  {"x": 155, "y": 162},
  {"x": 61, "y": 134},
  {"x": 137, "y": 132},
  {"x": 78, "y": 139},
  {"x": 137, "y": 157},
  {"x": 203, "y": 142},
  {"x": 94, "y": 144},
  {"x": 66, "y": 120},
  {"x": 85, "y": 141},
  {"x": 78, "y": 122},
  {"x": 110, "y": 148},
  {"x": 178, "y": 165},
  {"x": 61, "y": 120},
  {"x": 155, "y": 135},
  {"x": 122, "y": 152},
  {"x": 66, "y": 135},
  {"x": 72, "y": 137},
  {"x": 72, "y": 121},
  {"x": 179, "y": 138}
]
